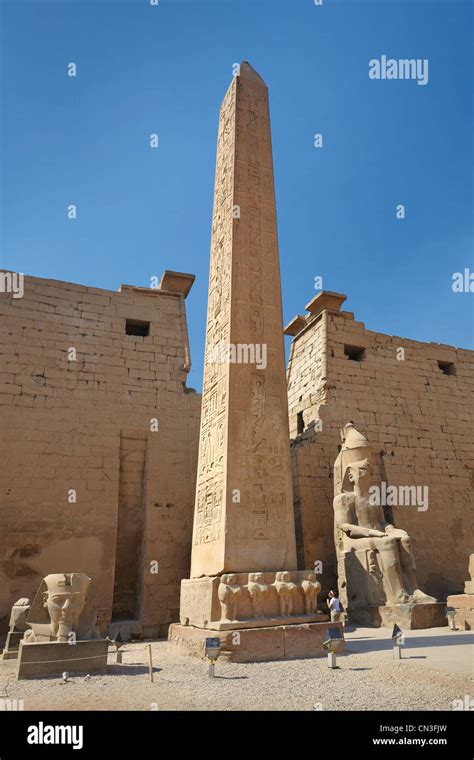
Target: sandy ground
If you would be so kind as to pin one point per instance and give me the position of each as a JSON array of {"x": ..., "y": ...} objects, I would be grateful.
[{"x": 437, "y": 668}]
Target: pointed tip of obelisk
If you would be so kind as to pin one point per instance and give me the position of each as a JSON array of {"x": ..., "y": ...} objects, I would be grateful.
[{"x": 248, "y": 72}]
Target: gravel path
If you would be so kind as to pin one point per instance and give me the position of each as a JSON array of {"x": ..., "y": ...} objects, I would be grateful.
[{"x": 362, "y": 681}]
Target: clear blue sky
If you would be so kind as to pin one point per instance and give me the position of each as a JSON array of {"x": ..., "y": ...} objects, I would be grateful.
[{"x": 165, "y": 69}]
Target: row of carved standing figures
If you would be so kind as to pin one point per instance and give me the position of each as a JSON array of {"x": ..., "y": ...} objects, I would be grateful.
[{"x": 230, "y": 592}]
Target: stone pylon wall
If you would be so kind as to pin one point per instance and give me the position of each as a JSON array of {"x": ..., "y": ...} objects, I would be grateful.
[
  {"x": 420, "y": 419},
  {"x": 84, "y": 425}
]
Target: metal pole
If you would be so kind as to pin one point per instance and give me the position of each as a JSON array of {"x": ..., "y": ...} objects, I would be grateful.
[
  {"x": 211, "y": 670},
  {"x": 151, "y": 663}
]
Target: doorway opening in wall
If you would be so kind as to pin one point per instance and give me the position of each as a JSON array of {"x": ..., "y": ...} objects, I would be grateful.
[
  {"x": 130, "y": 528},
  {"x": 299, "y": 423}
]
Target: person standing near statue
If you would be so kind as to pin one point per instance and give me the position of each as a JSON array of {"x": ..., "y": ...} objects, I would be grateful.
[{"x": 335, "y": 608}]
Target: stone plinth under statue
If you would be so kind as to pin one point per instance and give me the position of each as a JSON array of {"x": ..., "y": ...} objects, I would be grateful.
[
  {"x": 375, "y": 561},
  {"x": 245, "y": 587},
  {"x": 52, "y": 658}
]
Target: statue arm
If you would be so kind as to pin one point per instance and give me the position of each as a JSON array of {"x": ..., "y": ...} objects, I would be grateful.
[
  {"x": 355, "y": 531},
  {"x": 344, "y": 514}
]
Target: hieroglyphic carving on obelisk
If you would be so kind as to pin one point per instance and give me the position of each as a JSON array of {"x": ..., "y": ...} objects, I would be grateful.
[{"x": 244, "y": 518}]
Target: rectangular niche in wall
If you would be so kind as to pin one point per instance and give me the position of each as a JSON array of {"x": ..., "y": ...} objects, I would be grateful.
[
  {"x": 355, "y": 353},
  {"x": 137, "y": 327}
]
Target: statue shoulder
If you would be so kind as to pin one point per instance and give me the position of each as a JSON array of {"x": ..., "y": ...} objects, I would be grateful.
[{"x": 343, "y": 501}]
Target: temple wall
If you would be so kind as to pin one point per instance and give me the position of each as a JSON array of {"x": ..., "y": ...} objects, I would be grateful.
[
  {"x": 84, "y": 426},
  {"x": 418, "y": 414}
]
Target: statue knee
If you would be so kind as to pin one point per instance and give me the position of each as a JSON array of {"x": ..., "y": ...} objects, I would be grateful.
[
  {"x": 406, "y": 543},
  {"x": 387, "y": 544}
]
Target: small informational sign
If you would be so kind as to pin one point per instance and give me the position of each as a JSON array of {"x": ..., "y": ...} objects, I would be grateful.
[
  {"x": 397, "y": 632},
  {"x": 333, "y": 639},
  {"x": 398, "y": 640},
  {"x": 213, "y": 648}
]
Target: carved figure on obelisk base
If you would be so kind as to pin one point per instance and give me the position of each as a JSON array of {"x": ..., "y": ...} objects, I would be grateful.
[
  {"x": 376, "y": 565},
  {"x": 229, "y": 592},
  {"x": 311, "y": 588},
  {"x": 285, "y": 590},
  {"x": 258, "y": 590},
  {"x": 60, "y": 608}
]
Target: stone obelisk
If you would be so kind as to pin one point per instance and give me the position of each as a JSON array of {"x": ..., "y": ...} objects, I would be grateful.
[
  {"x": 243, "y": 562},
  {"x": 244, "y": 506}
]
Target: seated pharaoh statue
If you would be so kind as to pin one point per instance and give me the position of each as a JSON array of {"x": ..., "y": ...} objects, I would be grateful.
[{"x": 376, "y": 565}]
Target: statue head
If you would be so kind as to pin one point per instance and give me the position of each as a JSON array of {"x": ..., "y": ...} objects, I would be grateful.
[
  {"x": 285, "y": 576},
  {"x": 358, "y": 476},
  {"x": 19, "y": 614},
  {"x": 230, "y": 579},
  {"x": 310, "y": 576},
  {"x": 65, "y": 599},
  {"x": 256, "y": 577},
  {"x": 355, "y": 449}
]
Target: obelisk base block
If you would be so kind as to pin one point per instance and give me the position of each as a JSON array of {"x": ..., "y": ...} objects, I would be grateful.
[
  {"x": 463, "y": 606},
  {"x": 283, "y": 642},
  {"x": 262, "y": 599},
  {"x": 270, "y": 622}
]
